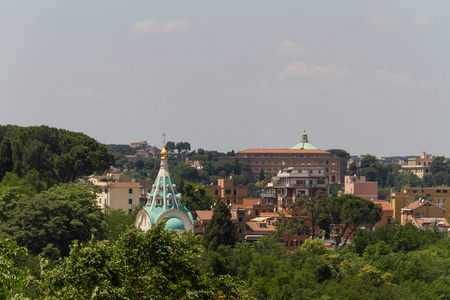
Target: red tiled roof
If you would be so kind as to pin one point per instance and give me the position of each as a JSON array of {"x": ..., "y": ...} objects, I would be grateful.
[
  {"x": 253, "y": 226},
  {"x": 416, "y": 204},
  {"x": 204, "y": 214},
  {"x": 385, "y": 206},
  {"x": 285, "y": 151}
]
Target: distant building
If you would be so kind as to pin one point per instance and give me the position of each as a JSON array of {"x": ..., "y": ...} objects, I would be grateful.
[
  {"x": 418, "y": 166},
  {"x": 358, "y": 186},
  {"x": 441, "y": 197},
  {"x": 387, "y": 213},
  {"x": 139, "y": 144},
  {"x": 425, "y": 214},
  {"x": 227, "y": 192},
  {"x": 303, "y": 154},
  {"x": 119, "y": 195},
  {"x": 294, "y": 182}
]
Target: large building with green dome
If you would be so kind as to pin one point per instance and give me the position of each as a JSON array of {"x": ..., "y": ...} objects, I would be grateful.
[
  {"x": 164, "y": 202},
  {"x": 302, "y": 154}
]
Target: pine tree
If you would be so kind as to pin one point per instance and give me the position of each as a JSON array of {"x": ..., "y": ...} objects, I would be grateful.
[{"x": 220, "y": 230}]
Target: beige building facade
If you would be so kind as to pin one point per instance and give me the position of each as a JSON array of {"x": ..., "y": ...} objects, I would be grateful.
[
  {"x": 419, "y": 166},
  {"x": 440, "y": 196}
]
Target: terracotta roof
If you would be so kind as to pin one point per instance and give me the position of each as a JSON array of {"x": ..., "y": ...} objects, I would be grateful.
[
  {"x": 204, "y": 214},
  {"x": 293, "y": 151},
  {"x": 270, "y": 214},
  {"x": 254, "y": 226},
  {"x": 385, "y": 206},
  {"x": 432, "y": 221},
  {"x": 418, "y": 203},
  {"x": 250, "y": 201}
]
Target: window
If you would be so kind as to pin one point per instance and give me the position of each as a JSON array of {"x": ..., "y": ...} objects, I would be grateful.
[
  {"x": 240, "y": 219},
  {"x": 130, "y": 210},
  {"x": 292, "y": 243},
  {"x": 106, "y": 190},
  {"x": 438, "y": 191},
  {"x": 234, "y": 201},
  {"x": 414, "y": 191},
  {"x": 216, "y": 192},
  {"x": 130, "y": 191},
  {"x": 130, "y": 201},
  {"x": 444, "y": 191},
  {"x": 234, "y": 192},
  {"x": 417, "y": 215}
]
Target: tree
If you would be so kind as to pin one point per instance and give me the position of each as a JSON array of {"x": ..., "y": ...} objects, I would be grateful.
[
  {"x": 156, "y": 264},
  {"x": 302, "y": 215},
  {"x": 49, "y": 222},
  {"x": 170, "y": 146},
  {"x": 438, "y": 165},
  {"x": 195, "y": 197},
  {"x": 340, "y": 153},
  {"x": 220, "y": 230},
  {"x": 11, "y": 275},
  {"x": 348, "y": 212},
  {"x": 56, "y": 155},
  {"x": 369, "y": 167}
]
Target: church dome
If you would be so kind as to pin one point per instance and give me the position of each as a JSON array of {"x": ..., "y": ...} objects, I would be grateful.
[
  {"x": 174, "y": 224},
  {"x": 164, "y": 153}
]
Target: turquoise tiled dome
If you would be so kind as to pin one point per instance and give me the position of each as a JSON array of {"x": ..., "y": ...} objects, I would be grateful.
[{"x": 174, "y": 224}]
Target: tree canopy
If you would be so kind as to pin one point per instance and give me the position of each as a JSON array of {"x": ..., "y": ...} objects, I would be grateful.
[
  {"x": 156, "y": 264},
  {"x": 48, "y": 222},
  {"x": 50, "y": 155}
]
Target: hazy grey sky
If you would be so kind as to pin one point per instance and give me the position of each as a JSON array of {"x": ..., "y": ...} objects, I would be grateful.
[{"x": 364, "y": 76}]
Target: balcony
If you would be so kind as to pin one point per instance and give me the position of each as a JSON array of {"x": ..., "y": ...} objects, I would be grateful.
[{"x": 297, "y": 185}]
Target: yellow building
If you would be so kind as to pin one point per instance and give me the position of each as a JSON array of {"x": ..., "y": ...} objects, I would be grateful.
[
  {"x": 119, "y": 195},
  {"x": 440, "y": 195}
]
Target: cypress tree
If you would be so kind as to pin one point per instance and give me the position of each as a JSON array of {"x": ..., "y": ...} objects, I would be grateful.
[{"x": 220, "y": 230}]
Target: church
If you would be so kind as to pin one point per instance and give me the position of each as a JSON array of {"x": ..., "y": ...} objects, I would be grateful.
[{"x": 164, "y": 202}]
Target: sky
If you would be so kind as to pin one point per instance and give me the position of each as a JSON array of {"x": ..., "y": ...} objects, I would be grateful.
[{"x": 363, "y": 76}]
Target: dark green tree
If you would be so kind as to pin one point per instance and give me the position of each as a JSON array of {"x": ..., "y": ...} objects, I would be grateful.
[
  {"x": 348, "y": 212},
  {"x": 438, "y": 165},
  {"x": 55, "y": 155},
  {"x": 156, "y": 264},
  {"x": 49, "y": 222},
  {"x": 220, "y": 230},
  {"x": 170, "y": 146},
  {"x": 302, "y": 215},
  {"x": 340, "y": 153},
  {"x": 195, "y": 197}
]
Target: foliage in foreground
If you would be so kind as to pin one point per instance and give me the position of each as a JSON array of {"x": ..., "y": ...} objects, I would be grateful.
[
  {"x": 49, "y": 222},
  {"x": 157, "y": 264}
]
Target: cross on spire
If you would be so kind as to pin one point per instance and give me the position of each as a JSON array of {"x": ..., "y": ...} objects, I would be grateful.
[{"x": 164, "y": 135}]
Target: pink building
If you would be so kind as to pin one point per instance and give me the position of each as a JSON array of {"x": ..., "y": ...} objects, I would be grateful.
[{"x": 358, "y": 186}]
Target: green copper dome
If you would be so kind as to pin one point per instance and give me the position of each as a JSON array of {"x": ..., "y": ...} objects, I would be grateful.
[
  {"x": 174, "y": 224},
  {"x": 304, "y": 144}
]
